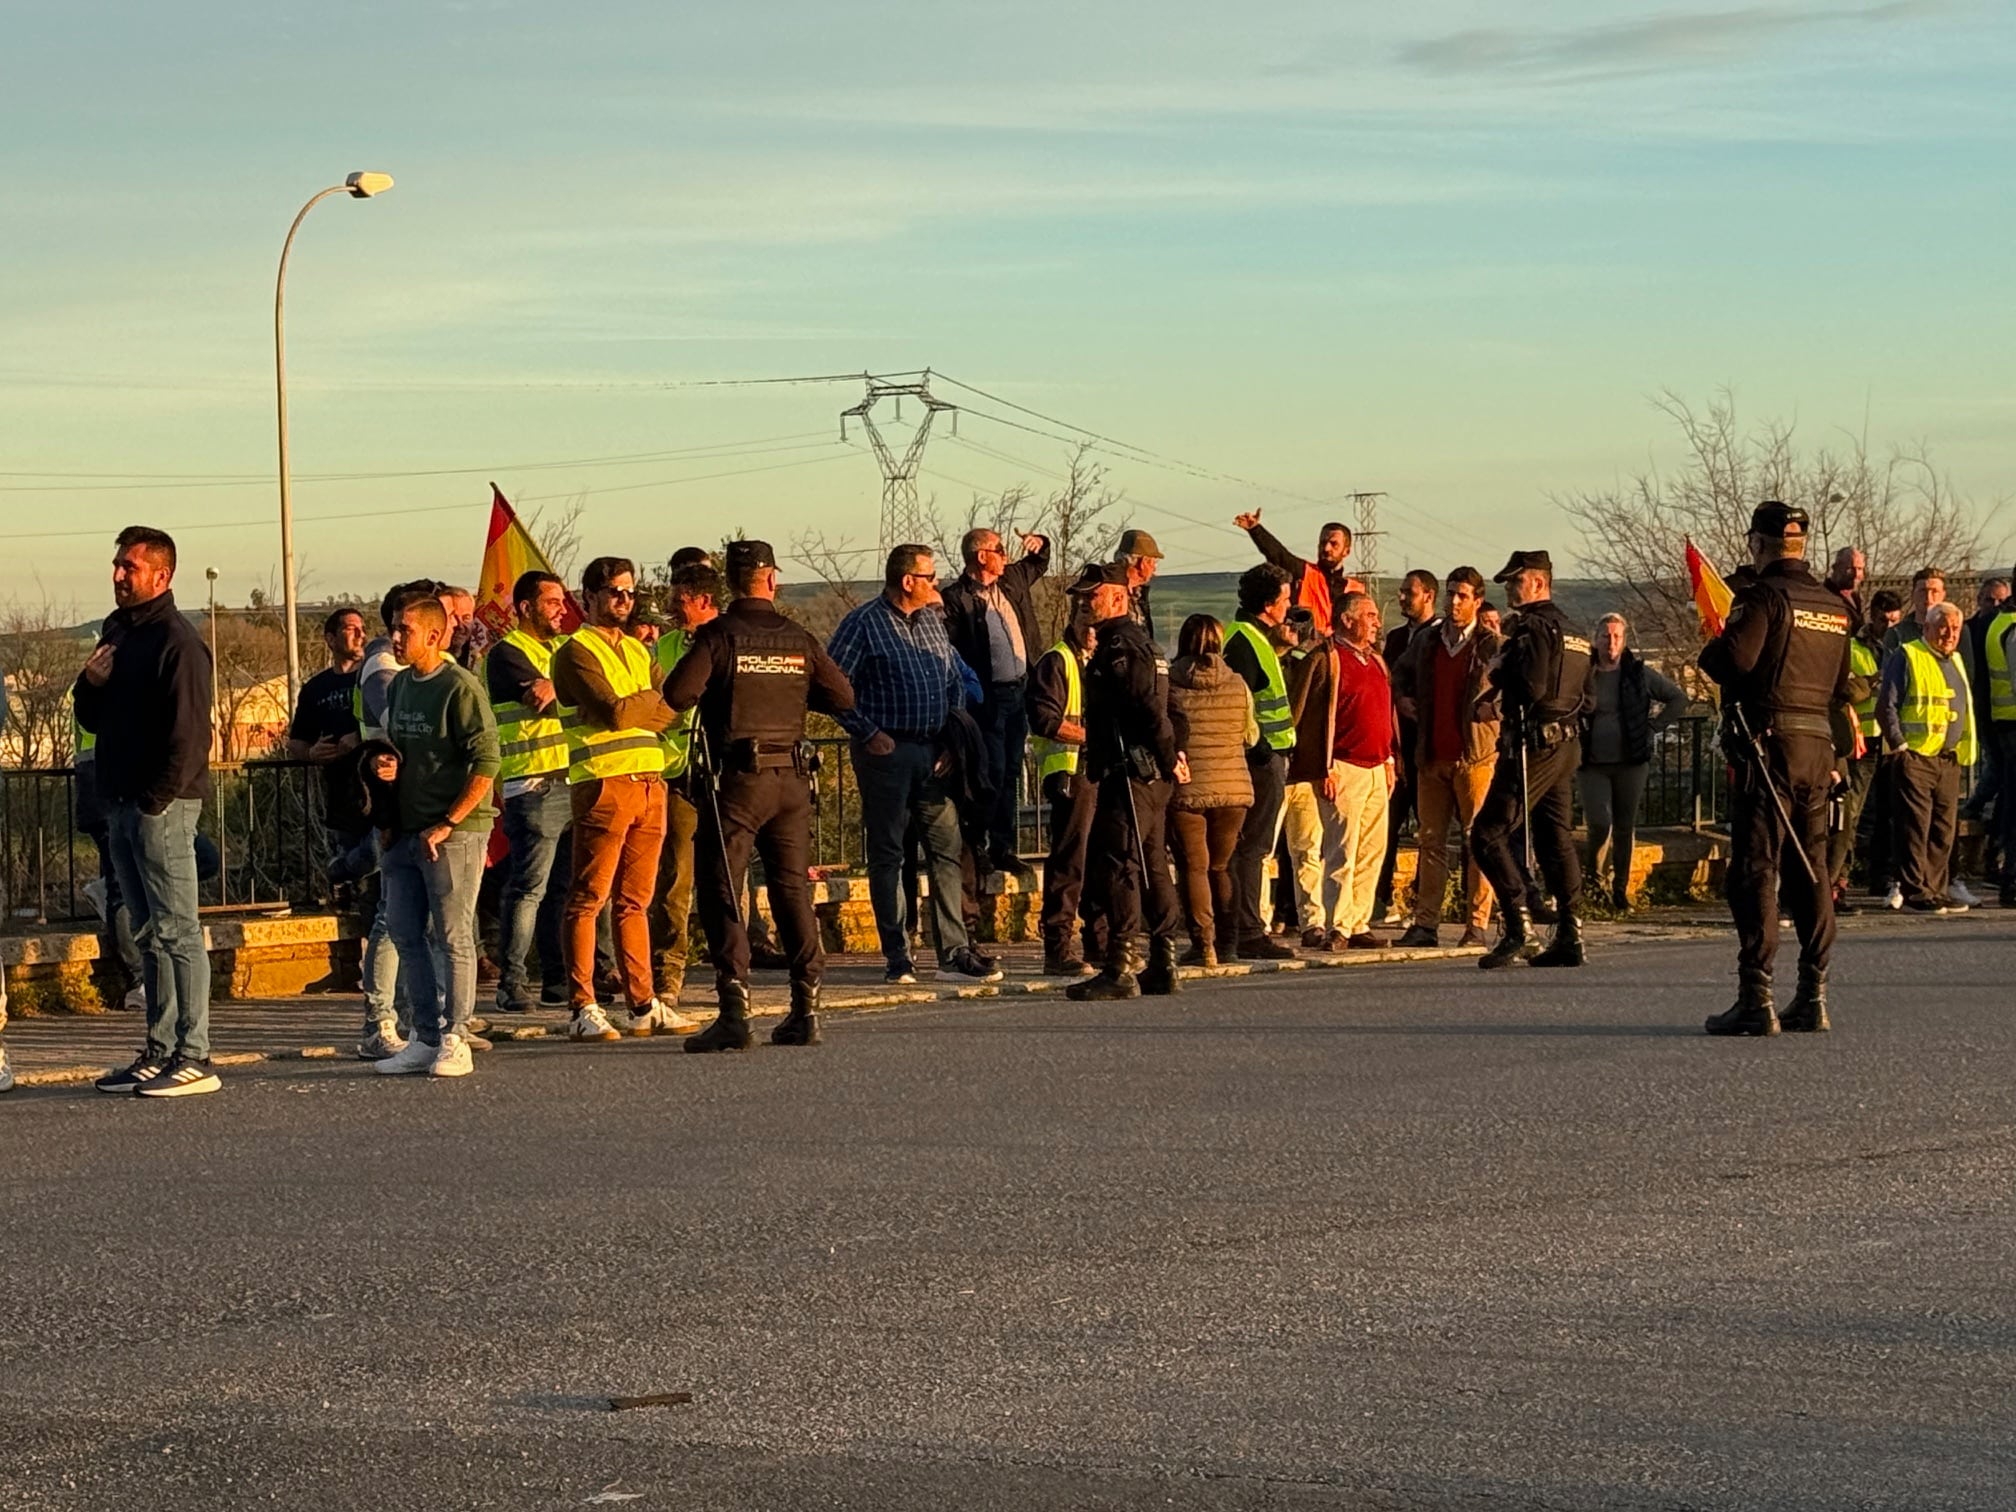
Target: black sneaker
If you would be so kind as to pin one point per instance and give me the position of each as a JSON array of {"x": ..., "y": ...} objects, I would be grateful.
[
  {"x": 144, "y": 1069},
  {"x": 970, "y": 962},
  {"x": 181, "y": 1077}
]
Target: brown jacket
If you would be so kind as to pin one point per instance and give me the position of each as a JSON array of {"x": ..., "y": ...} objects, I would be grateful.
[
  {"x": 1312, "y": 695},
  {"x": 1415, "y": 678},
  {"x": 579, "y": 683}
]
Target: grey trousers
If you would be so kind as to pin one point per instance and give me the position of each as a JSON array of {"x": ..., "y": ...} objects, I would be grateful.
[{"x": 1610, "y": 797}]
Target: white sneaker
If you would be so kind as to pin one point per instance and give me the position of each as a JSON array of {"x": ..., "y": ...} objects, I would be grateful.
[
  {"x": 94, "y": 894},
  {"x": 6, "y": 1072},
  {"x": 1895, "y": 898},
  {"x": 1391, "y": 917},
  {"x": 453, "y": 1058},
  {"x": 660, "y": 1017},
  {"x": 412, "y": 1058},
  {"x": 135, "y": 1000},
  {"x": 591, "y": 1023},
  {"x": 381, "y": 1043},
  {"x": 1958, "y": 892}
]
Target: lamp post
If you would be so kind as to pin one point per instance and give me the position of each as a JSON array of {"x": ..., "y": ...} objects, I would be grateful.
[
  {"x": 210, "y": 577},
  {"x": 357, "y": 186}
]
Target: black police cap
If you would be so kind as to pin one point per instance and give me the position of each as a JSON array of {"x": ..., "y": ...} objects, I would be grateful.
[
  {"x": 1779, "y": 521},
  {"x": 743, "y": 556},
  {"x": 1097, "y": 575},
  {"x": 1524, "y": 561}
]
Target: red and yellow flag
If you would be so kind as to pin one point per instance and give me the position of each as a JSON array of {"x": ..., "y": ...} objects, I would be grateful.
[
  {"x": 508, "y": 552},
  {"x": 1711, "y": 595}
]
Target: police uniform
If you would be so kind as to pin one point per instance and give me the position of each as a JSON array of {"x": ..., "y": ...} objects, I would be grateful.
[
  {"x": 1544, "y": 681},
  {"x": 1130, "y": 755},
  {"x": 753, "y": 673},
  {"x": 1057, "y": 696},
  {"x": 1782, "y": 659}
]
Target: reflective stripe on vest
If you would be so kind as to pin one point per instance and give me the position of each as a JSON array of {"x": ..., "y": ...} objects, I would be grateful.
[
  {"x": 1270, "y": 703},
  {"x": 2001, "y": 692},
  {"x": 614, "y": 753},
  {"x": 1056, "y": 755},
  {"x": 677, "y": 741},
  {"x": 534, "y": 745},
  {"x": 1927, "y": 708},
  {"x": 1862, "y": 662}
]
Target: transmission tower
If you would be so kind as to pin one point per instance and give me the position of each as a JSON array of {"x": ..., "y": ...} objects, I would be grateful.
[
  {"x": 1365, "y": 539},
  {"x": 900, "y": 512}
]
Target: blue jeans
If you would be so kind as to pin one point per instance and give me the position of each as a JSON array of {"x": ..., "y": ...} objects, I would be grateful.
[
  {"x": 534, "y": 821},
  {"x": 420, "y": 892},
  {"x": 154, "y": 860},
  {"x": 893, "y": 789}
]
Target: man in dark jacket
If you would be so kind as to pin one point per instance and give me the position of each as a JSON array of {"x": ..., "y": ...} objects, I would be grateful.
[
  {"x": 146, "y": 694},
  {"x": 1417, "y": 612},
  {"x": 992, "y": 625}
]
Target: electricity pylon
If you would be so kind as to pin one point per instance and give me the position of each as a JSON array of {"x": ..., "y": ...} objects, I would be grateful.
[
  {"x": 1365, "y": 540},
  {"x": 900, "y": 513}
]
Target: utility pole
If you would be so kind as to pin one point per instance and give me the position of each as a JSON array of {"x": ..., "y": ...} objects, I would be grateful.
[
  {"x": 1365, "y": 539},
  {"x": 900, "y": 522}
]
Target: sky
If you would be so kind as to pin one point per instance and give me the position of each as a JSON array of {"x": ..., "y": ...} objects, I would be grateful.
[{"x": 1446, "y": 251}]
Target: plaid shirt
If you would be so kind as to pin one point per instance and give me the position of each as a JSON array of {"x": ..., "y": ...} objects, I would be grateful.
[{"x": 905, "y": 674}]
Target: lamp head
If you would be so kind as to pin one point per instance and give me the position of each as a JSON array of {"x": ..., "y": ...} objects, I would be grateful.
[
  {"x": 210, "y": 573},
  {"x": 364, "y": 185}
]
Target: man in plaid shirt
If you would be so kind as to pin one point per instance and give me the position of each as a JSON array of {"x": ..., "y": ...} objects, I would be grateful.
[{"x": 907, "y": 683}]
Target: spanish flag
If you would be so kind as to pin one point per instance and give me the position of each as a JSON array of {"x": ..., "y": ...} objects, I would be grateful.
[
  {"x": 509, "y": 552},
  {"x": 1711, "y": 595}
]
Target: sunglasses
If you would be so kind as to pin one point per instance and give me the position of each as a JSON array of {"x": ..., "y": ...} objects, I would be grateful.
[{"x": 620, "y": 593}]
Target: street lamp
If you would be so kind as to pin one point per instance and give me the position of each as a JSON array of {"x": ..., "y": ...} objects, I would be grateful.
[
  {"x": 357, "y": 186},
  {"x": 210, "y": 577}
]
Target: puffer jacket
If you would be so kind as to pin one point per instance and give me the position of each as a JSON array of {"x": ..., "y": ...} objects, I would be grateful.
[{"x": 1216, "y": 716}]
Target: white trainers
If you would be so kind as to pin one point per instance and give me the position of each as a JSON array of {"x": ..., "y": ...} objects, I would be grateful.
[
  {"x": 660, "y": 1017},
  {"x": 381, "y": 1043},
  {"x": 135, "y": 1000},
  {"x": 453, "y": 1058},
  {"x": 412, "y": 1058},
  {"x": 592, "y": 1024},
  {"x": 1959, "y": 893},
  {"x": 1895, "y": 897}
]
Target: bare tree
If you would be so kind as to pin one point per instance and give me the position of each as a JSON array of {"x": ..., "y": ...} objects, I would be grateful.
[
  {"x": 839, "y": 568},
  {"x": 559, "y": 534},
  {"x": 249, "y": 684},
  {"x": 1899, "y": 509},
  {"x": 41, "y": 653}
]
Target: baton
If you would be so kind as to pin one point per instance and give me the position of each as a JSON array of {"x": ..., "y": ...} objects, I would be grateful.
[
  {"x": 1134, "y": 818},
  {"x": 1525, "y": 798},
  {"x": 714, "y": 808},
  {"x": 1741, "y": 724}
]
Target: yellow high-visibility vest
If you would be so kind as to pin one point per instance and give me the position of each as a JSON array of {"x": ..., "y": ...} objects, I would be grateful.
[
  {"x": 1057, "y": 755},
  {"x": 595, "y": 754},
  {"x": 1270, "y": 703},
  {"x": 534, "y": 745},
  {"x": 2001, "y": 690},
  {"x": 1863, "y": 663},
  {"x": 678, "y": 739},
  {"x": 1928, "y": 706}
]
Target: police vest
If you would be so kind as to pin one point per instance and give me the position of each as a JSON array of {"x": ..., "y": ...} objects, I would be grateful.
[
  {"x": 1862, "y": 662},
  {"x": 677, "y": 739},
  {"x": 1800, "y": 673},
  {"x": 1270, "y": 703},
  {"x": 594, "y": 754},
  {"x": 2001, "y": 694},
  {"x": 1055, "y": 755},
  {"x": 769, "y": 680},
  {"x": 1930, "y": 706},
  {"x": 533, "y": 745}
]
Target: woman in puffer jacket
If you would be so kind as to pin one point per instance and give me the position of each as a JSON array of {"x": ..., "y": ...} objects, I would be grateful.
[{"x": 1212, "y": 709}]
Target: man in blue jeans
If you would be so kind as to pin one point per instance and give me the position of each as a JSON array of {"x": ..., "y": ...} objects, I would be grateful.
[
  {"x": 439, "y": 719},
  {"x": 907, "y": 682},
  {"x": 145, "y": 693}
]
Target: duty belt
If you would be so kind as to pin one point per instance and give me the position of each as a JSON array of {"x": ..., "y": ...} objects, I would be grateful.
[
  {"x": 1554, "y": 732},
  {"x": 1801, "y": 724}
]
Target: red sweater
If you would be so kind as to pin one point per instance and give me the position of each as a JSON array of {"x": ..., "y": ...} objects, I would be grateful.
[{"x": 1366, "y": 733}]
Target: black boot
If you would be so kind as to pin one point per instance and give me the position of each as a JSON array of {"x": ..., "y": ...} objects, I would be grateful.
[
  {"x": 1565, "y": 949},
  {"x": 1751, "y": 1013},
  {"x": 1808, "y": 1013},
  {"x": 1115, "y": 982},
  {"x": 730, "y": 1030},
  {"x": 801, "y": 1024},
  {"x": 1159, "y": 980},
  {"x": 1515, "y": 943}
]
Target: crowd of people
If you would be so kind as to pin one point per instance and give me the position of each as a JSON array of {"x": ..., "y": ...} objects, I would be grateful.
[{"x": 547, "y": 810}]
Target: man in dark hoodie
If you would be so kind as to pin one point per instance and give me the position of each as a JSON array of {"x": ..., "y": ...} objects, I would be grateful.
[{"x": 146, "y": 694}]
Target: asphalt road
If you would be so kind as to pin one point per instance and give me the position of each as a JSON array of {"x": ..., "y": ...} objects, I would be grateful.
[{"x": 1408, "y": 1237}]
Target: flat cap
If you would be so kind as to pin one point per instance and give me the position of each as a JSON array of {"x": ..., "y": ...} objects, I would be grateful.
[
  {"x": 1523, "y": 561},
  {"x": 743, "y": 555},
  {"x": 1097, "y": 575},
  {"x": 1779, "y": 521},
  {"x": 1138, "y": 543},
  {"x": 646, "y": 614}
]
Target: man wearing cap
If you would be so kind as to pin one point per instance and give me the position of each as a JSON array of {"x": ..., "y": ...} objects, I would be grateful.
[
  {"x": 1057, "y": 720},
  {"x": 1140, "y": 556},
  {"x": 1782, "y": 662},
  {"x": 1319, "y": 585},
  {"x": 753, "y": 674},
  {"x": 1545, "y": 692}
]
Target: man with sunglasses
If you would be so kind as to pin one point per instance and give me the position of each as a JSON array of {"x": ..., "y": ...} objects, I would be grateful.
[{"x": 614, "y": 716}]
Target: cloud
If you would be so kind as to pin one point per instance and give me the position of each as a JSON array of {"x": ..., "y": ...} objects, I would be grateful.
[{"x": 1681, "y": 40}]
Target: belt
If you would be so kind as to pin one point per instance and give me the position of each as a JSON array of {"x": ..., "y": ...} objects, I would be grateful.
[{"x": 1801, "y": 724}]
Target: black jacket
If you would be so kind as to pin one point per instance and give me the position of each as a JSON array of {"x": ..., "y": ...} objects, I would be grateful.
[
  {"x": 966, "y": 613},
  {"x": 1127, "y": 700},
  {"x": 152, "y": 717}
]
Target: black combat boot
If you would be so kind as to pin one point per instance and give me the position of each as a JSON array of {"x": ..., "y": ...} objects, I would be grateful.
[
  {"x": 1159, "y": 980},
  {"x": 1565, "y": 949},
  {"x": 1751, "y": 1013},
  {"x": 1514, "y": 944},
  {"x": 1115, "y": 982},
  {"x": 1808, "y": 1012},
  {"x": 730, "y": 1030},
  {"x": 801, "y": 1024}
]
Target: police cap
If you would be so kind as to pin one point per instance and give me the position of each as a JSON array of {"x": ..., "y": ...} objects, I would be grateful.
[
  {"x": 1137, "y": 543},
  {"x": 1096, "y": 575},
  {"x": 1782, "y": 522},
  {"x": 746, "y": 556},
  {"x": 1524, "y": 561}
]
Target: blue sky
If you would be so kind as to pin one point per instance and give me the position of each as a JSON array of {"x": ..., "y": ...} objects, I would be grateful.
[{"x": 1444, "y": 250}]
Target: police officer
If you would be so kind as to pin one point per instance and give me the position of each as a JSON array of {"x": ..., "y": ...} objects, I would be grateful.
[
  {"x": 1130, "y": 753},
  {"x": 1544, "y": 683},
  {"x": 1782, "y": 662},
  {"x": 753, "y": 674}
]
